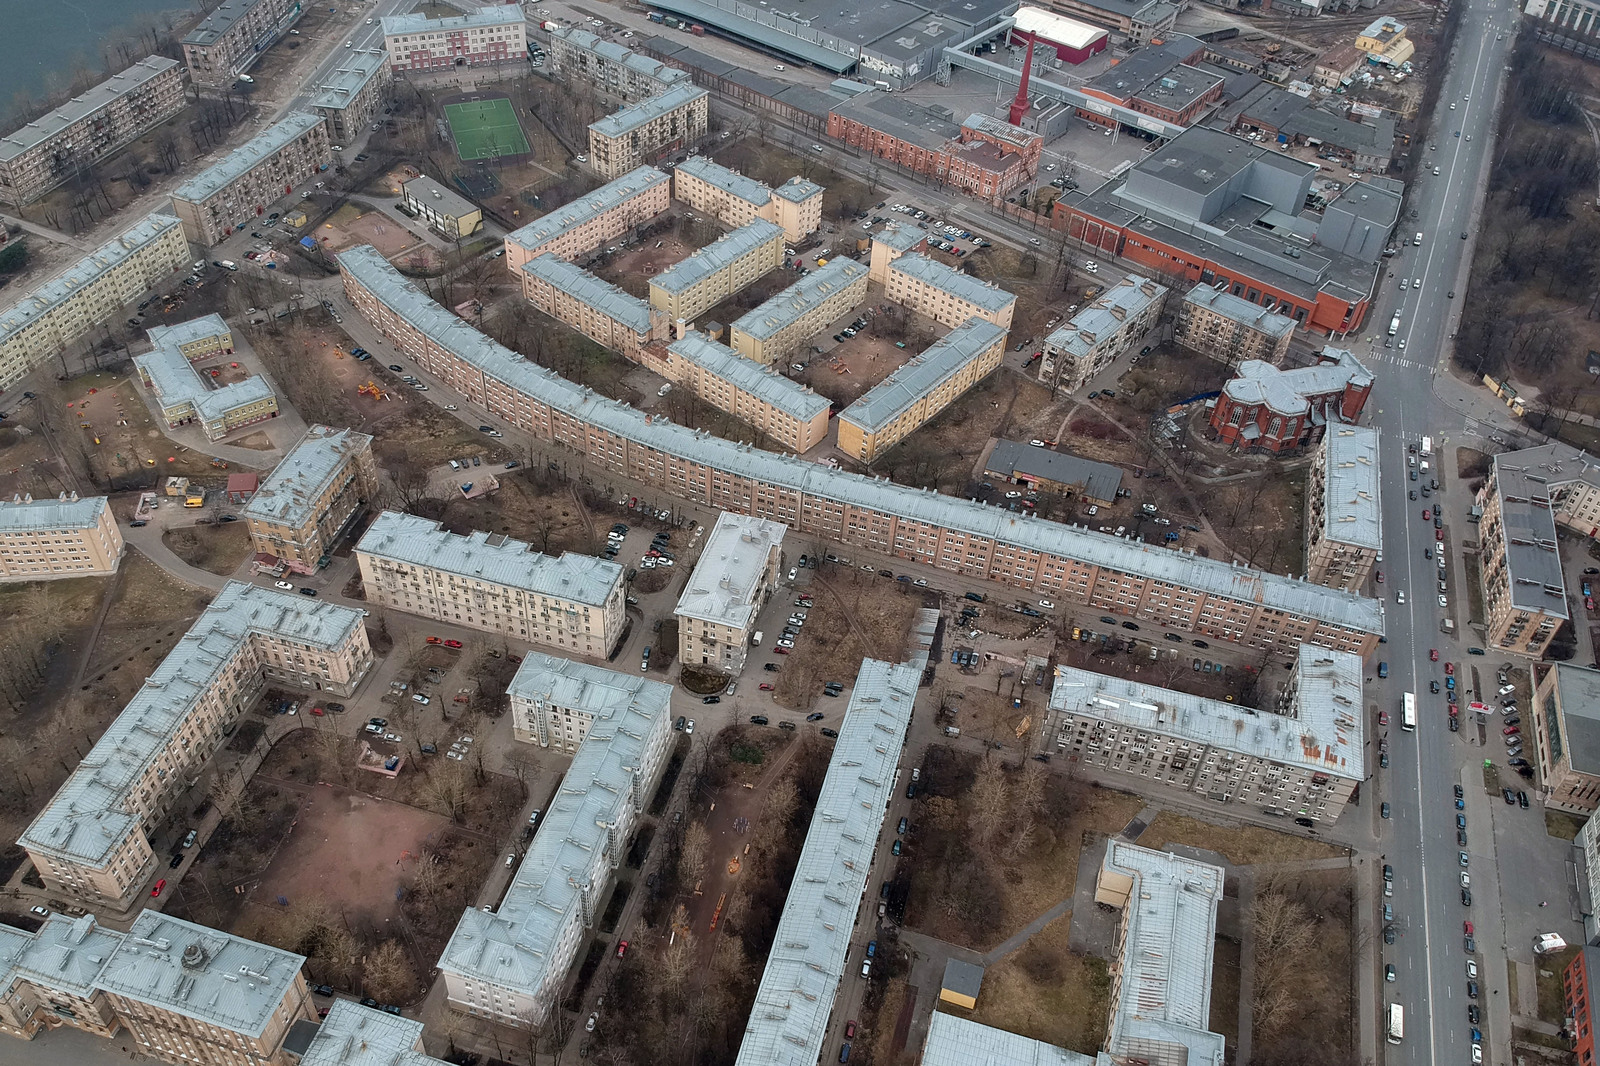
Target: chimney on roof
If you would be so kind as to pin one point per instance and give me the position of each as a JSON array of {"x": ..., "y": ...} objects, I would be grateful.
[{"x": 1019, "y": 106}]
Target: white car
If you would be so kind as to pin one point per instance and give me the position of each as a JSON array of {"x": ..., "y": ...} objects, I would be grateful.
[
  {"x": 785, "y": 642},
  {"x": 283, "y": 585},
  {"x": 1046, "y": 604},
  {"x": 1037, "y": 444},
  {"x": 449, "y": 407},
  {"x": 393, "y": 738},
  {"x": 1472, "y": 970},
  {"x": 456, "y": 755},
  {"x": 792, "y": 572},
  {"x": 588, "y": 1026},
  {"x": 1400, "y": 596},
  {"x": 1443, "y": 602},
  {"x": 688, "y": 727}
]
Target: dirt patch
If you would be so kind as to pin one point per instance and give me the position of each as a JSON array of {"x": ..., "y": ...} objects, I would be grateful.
[
  {"x": 1046, "y": 992},
  {"x": 1225, "y": 992},
  {"x": 219, "y": 549},
  {"x": 1303, "y": 1014},
  {"x": 943, "y": 453},
  {"x": 351, "y": 226},
  {"x": 855, "y": 616},
  {"x": 1241, "y": 845}
]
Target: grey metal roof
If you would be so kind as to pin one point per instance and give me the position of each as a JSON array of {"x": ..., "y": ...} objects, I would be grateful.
[
  {"x": 745, "y": 188},
  {"x": 810, "y": 951},
  {"x": 956, "y": 1041},
  {"x": 1170, "y": 927},
  {"x": 81, "y": 107},
  {"x": 176, "y": 382},
  {"x": 1326, "y": 737},
  {"x": 490, "y": 557},
  {"x": 239, "y": 162},
  {"x": 188, "y": 331},
  {"x": 439, "y": 196},
  {"x": 757, "y": 379},
  {"x": 628, "y": 119},
  {"x": 90, "y": 814},
  {"x": 66, "y": 954},
  {"x": 286, "y": 496},
  {"x": 588, "y": 289},
  {"x": 984, "y": 294},
  {"x": 1238, "y": 309},
  {"x": 963, "y": 978},
  {"x": 515, "y": 946},
  {"x": 355, "y": 69},
  {"x": 83, "y": 273},
  {"x": 25, "y": 514},
  {"x": 718, "y": 255},
  {"x": 922, "y": 374},
  {"x": 797, "y": 190},
  {"x": 1100, "y": 481},
  {"x": 499, "y": 15},
  {"x": 1576, "y": 733},
  {"x": 211, "y": 976},
  {"x": 545, "y": 229},
  {"x": 211, "y": 28},
  {"x": 724, "y": 587},
  {"x": 1533, "y": 559},
  {"x": 1105, "y": 315},
  {"x": 1285, "y": 392},
  {"x": 900, "y": 238},
  {"x": 1351, "y": 509},
  {"x": 794, "y": 302},
  {"x": 353, "y": 1035},
  {"x": 788, "y": 473},
  {"x": 653, "y": 69}
]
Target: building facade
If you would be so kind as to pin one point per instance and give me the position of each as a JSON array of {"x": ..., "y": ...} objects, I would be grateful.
[
  {"x": 231, "y": 194},
  {"x": 945, "y": 294},
  {"x": 800, "y": 312},
  {"x": 577, "y": 53},
  {"x": 227, "y": 42},
  {"x": 183, "y": 396},
  {"x": 313, "y": 497},
  {"x": 487, "y": 36},
  {"x": 1580, "y": 982},
  {"x": 983, "y": 157},
  {"x": 86, "y": 129},
  {"x": 1344, "y": 522},
  {"x": 206, "y": 337},
  {"x": 1229, "y": 329},
  {"x": 1265, "y": 409},
  {"x": 1212, "y": 599},
  {"x": 589, "y": 222},
  {"x": 736, "y": 200},
  {"x": 644, "y": 132},
  {"x": 1101, "y": 331},
  {"x": 92, "y": 840},
  {"x": 1524, "y": 592},
  {"x": 599, "y": 310},
  {"x": 1565, "y": 722},
  {"x": 718, "y": 270},
  {"x": 572, "y": 603},
  {"x": 354, "y": 91},
  {"x": 925, "y": 385},
  {"x": 797, "y": 207},
  {"x": 737, "y": 574},
  {"x": 44, "y": 539},
  {"x": 792, "y": 415},
  {"x": 890, "y": 243},
  {"x": 447, "y": 211},
  {"x": 95, "y": 289}
]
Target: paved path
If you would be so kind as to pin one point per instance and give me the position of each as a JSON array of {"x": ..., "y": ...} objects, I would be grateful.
[{"x": 154, "y": 549}]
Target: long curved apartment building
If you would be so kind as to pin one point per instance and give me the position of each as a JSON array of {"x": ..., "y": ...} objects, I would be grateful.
[{"x": 1166, "y": 587}]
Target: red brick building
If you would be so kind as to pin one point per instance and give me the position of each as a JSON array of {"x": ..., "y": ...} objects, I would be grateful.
[
  {"x": 1163, "y": 81},
  {"x": 1271, "y": 410},
  {"x": 1577, "y": 991},
  {"x": 984, "y": 156}
]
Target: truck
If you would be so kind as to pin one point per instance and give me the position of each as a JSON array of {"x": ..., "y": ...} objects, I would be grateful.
[
  {"x": 656, "y": 16},
  {"x": 548, "y": 26},
  {"x": 1427, "y": 446},
  {"x": 951, "y": 731},
  {"x": 1394, "y": 324},
  {"x": 755, "y": 639},
  {"x": 1545, "y": 943},
  {"x": 697, "y": 29},
  {"x": 670, "y": 22}
]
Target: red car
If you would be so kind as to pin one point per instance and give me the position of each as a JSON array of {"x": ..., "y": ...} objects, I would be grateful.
[
  {"x": 154, "y": 892},
  {"x": 766, "y": 686},
  {"x": 849, "y": 1029},
  {"x": 453, "y": 644},
  {"x": 1433, "y": 653},
  {"x": 1588, "y": 602},
  {"x": 1466, "y": 927},
  {"x": 780, "y": 651},
  {"x": 1438, "y": 535},
  {"x": 622, "y": 948},
  {"x": 317, "y": 711},
  {"x": 1383, "y": 717},
  {"x": 1427, "y": 512},
  {"x": 435, "y": 640},
  {"x": 1449, "y": 669},
  {"x": 1379, "y": 576},
  {"x": 1512, "y": 730}
]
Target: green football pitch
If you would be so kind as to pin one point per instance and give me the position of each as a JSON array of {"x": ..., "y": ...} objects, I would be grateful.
[{"x": 485, "y": 129}]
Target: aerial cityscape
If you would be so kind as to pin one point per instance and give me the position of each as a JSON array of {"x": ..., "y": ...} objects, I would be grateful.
[{"x": 1009, "y": 532}]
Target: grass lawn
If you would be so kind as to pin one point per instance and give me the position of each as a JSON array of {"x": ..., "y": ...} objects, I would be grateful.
[
  {"x": 1548, "y": 969},
  {"x": 1045, "y": 992},
  {"x": 1561, "y": 824},
  {"x": 218, "y": 549},
  {"x": 1241, "y": 845},
  {"x": 486, "y": 129}
]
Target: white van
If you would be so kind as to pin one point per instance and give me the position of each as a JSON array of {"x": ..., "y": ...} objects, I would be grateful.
[{"x": 454, "y": 465}]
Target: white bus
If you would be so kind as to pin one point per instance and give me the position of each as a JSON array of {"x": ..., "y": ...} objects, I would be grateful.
[
  {"x": 1427, "y": 445},
  {"x": 1408, "y": 712},
  {"x": 1397, "y": 1023}
]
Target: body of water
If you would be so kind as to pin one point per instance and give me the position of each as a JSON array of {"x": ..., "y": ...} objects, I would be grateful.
[{"x": 46, "y": 41}]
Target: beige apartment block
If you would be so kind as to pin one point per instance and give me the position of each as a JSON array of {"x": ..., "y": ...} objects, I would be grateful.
[
  {"x": 227, "y": 42},
  {"x": 921, "y": 388},
  {"x": 889, "y": 244},
  {"x": 597, "y": 309},
  {"x": 1231, "y": 329},
  {"x": 572, "y": 603},
  {"x": 59, "y": 144},
  {"x": 313, "y": 497},
  {"x": 352, "y": 93},
  {"x": 792, "y": 415},
  {"x": 1564, "y": 718},
  {"x": 91, "y": 841},
  {"x": 1344, "y": 523},
  {"x": 642, "y": 133},
  {"x": 718, "y": 270},
  {"x": 93, "y": 290},
  {"x": 446, "y": 210},
  {"x": 720, "y": 192},
  {"x": 231, "y": 194},
  {"x": 1100, "y": 332},
  {"x": 588, "y": 223},
  {"x": 53, "y": 538},
  {"x": 737, "y": 574},
  {"x": 800, "y": 312},
  {"x": 945, "y": 294},
  {"x": 577, "y": 53},
  {"x": 797, "y": 207},
  {"x": 1524, "y": 592}
]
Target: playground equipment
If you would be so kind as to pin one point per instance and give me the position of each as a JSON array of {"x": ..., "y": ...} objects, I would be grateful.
[{"x": 371, "y": 389}]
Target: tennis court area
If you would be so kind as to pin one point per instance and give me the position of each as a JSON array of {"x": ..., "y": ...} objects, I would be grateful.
[{"x": 485, "y": 129}]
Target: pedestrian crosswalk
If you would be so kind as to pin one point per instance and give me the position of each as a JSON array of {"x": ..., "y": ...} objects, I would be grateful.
[{"x": 1395, "y": 359}]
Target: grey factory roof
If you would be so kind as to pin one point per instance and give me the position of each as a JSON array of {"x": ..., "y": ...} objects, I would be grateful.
[
  {"x": 1238, "y": 309},
  {"x": 84, "y": 272},
  {"x": 89, "y": 815},
  {"x": 982, "y": 294},
  {"x": 176, "y": 381},
  {"x": 1533, "y": 559},
  {"x": 956, "y": 1041},
  {"x": 498, "y": 15},
  {"x": 628, "y": 119},
  {"x": 443, "y": 199},
  {"x": 288, "y": 493},
  {"x": 77, "y": 109},
  {"x": 1286, "y": 392},
  {"x": 926, "y": 126},
  {"x": 1576, "y": 733},
  {"x": 545, "y": 229},
  {"x": 793, "y": 303},
  {"x": 710, "y": 13},
  {"x": 515, "y": 945},
  {"x": 1105, "y": 316},
  {"x": 899, "y": 237},
  {"x": 919, "y": 376},
  {"x": 1351, "y": 513},
  {"x": 726, "y": 585},
  {"x": 746, "y": 375},
  {"x": 1314, "y": 122},
  {"x": 745, "y": 188},
  {"x": 353, "y": 1035},
  {"x": 491, "y": 558},
  {"x": 785, "y": 472},
  {"x": 211, "y": 28},
  {"x": 188, "y": 331},
  {"x": 654, "y": 69},
  {"x": 811, "y": 950},
  {"x": 718, "y": 255},
  {"x": 204, "y": 974},
  {"x": 1100, "y": 481},
  {"x": 601, "y": 295},
  {"x": 245, "y": 158},
  {"x": 26, "y": 514},
  {"x": 797, "y": 190},
  {"x": 1170, "y": 924},
  {"x": 356, "y": 68},
  {"x": 1325, "y": 738}
]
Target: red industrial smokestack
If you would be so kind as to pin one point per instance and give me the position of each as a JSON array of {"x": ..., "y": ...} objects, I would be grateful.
[{"x": 1019, "y": 106}]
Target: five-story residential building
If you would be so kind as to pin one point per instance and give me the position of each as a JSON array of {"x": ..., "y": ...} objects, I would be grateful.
[
  {"x": 486, "y": 36},
  {"x": 313, "y": 497},
  {"x": 737, "y": 574},
  {"x": 1344, "y": 522},
  {"x": 1231, "y": 329},
  {"x": 227, "y": 42},
  {"x": 791, "y": 414},
  {"x": 1524, "y": 593},
  {"x": 800, "y": 312},
  {"x": 642, "y": 133},
  {"x": 584, "y": 226},
  {"x": 231, "y": 194},
  {"x": 1100, "y": 332},
  {"x": 718, "y": 270},
  {"x": 64, "y": 537},
  {"x": 945, "y": 294}
]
